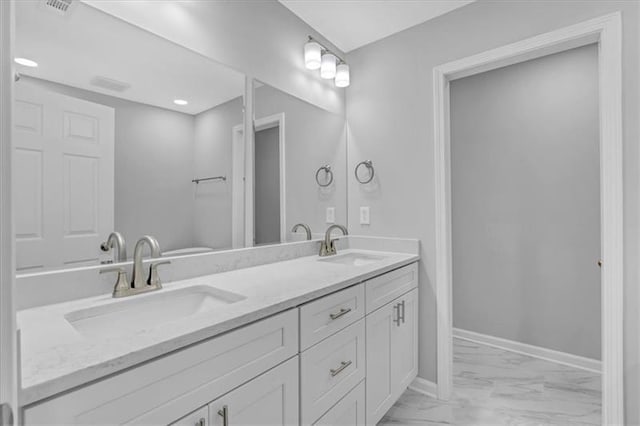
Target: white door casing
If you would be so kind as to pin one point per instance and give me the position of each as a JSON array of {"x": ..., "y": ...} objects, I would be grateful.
[
  {"x": 242, "y": 204},
  {"x": 606, "y": 32},
  {"x": 63, "y": 178},
  {"x": 8, "y": 341}
]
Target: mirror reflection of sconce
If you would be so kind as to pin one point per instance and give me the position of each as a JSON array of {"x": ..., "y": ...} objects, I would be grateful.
[
  {"x": 328, "y": 176},
  {"x": 369, "y": 165}
]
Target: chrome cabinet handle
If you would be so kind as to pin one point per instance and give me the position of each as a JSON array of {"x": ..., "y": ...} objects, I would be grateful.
[
  {"x": 403, "y": 307},
  {"x": 201, "y": 422},
  {"x": 343, "y": 365},
  {"x": 224, "y": 413},
  {"x": 396, "y": 314},
  {"x": 340, "y": 313}
]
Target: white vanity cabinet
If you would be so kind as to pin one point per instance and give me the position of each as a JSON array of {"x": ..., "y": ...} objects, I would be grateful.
[
  {"x": 341, "y": 359},
  {"x": 392, "y": 348}
]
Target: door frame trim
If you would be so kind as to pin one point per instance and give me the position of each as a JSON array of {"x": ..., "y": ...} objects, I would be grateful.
[
  {"x": 8, "y": 337},
  {"x": 606, "y": 31}
]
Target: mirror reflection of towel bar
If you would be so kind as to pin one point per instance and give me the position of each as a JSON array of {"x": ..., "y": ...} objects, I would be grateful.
[{"x": 197, "y": 181}]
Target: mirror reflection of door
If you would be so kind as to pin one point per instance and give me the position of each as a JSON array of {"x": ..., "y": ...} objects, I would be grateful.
[
  {"x": 267, "y": 186},
  {"x": 63, "y": 178}
]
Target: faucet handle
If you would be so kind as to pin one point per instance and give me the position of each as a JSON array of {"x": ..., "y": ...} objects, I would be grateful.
[
  {"x": 122, "y": 286},
  {"x": 154, "y": 278}
]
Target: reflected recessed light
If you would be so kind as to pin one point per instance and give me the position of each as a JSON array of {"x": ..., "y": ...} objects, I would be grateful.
[
  {"x": 180, "y": 102},
  {"x": 26, "y": 62}
]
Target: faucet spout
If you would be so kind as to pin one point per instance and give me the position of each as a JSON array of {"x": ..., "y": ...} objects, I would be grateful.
[
  {"x": 328, "y": 246},
  {"x": 306, "y": 228},
  {"x": 139, "y": 280},
  {"x": 116, "y": 240}
]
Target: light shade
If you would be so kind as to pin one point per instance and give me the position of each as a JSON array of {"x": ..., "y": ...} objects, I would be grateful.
[
  {"x": 342, "y": 75},
  {"x": 312, "y": 55},
  {"x": 328, "y": 67},
  {"x": 180, "y": 102},
  {"x": 26, "y": 62}
]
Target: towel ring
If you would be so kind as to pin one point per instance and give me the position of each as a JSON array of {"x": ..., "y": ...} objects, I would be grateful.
[
  {"x": 369, "y": 165},
  {"x": 328, "y": 173}
]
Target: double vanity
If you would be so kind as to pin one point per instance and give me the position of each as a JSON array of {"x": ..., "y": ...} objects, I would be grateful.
[{"x": 307, "y": 340}]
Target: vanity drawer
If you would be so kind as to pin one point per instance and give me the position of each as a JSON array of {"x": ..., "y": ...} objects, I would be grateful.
[
  {"x": 323, "y": 317},
  {"x": 383, "y": 289},
  {"x": 330, "y": 369},
  {"x": 164, "y": 389}
]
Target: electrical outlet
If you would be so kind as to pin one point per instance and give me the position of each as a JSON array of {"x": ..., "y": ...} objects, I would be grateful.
[
  {"x": 365, "y": 218},
  {"x": 331, "y": 215}
]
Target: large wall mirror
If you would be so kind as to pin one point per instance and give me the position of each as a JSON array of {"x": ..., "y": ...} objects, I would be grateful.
[{"x": 118, "y": 129}]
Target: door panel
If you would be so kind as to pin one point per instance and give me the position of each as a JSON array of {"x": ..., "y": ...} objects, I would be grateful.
[
  {"x": 379, "y": 383},
  {"x": 404, "y": 343},
  {"x": 64, "y": 178},
  {"x": 269, "y": 399}
]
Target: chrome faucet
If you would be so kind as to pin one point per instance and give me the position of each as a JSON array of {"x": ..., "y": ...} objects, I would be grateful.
[
  {"x": 116, "y": 241},
  {"x": 302, "y": 225},
  {"x": 139, "y": 281},
  {"x": 328, "y": 246}
]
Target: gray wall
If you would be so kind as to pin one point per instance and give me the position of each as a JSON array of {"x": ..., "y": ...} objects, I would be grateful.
[
  {"x": 154, "y": 162},
  {"x": 267, "y": 187},
  {"x": 390, "y": 114},
  {"x": 526, "y": 202},
  {"x": 313, "y": 137},
  {"x": 212, "y": 157}
]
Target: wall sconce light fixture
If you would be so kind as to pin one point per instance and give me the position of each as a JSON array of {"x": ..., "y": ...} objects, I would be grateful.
[{"x": 331, "y": 65}]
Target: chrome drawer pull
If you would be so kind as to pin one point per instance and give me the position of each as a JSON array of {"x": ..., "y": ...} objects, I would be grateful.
[
  {"x": 402, "y": 316},
  {"x": 343, "y": 365},
  {"x": 224, "y": 413},
  {"x": 342, "y": 312},
  {"x": 396, "y": 314}
]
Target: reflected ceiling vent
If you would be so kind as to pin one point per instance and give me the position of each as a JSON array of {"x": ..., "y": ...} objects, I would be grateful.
[
  {"x": 61, "y": 7},
  {"x": 109, "y": 84}
]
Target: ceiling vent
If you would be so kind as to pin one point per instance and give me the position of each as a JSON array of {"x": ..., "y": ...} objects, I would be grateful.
[
  {"x": 110, "y": 84},
  {"x": 62, "y": 7}
]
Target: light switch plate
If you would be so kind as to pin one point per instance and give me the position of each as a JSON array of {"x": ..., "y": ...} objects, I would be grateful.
[
  {"x": 365, "y": 218},
  {"x": 331, "y": 215}
]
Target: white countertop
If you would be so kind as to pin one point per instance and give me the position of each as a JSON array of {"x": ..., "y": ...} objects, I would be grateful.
[{"x": 55, "y": 357}]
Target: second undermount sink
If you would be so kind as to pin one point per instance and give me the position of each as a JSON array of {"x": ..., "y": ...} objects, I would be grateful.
[
  {"x": 148, "y": 311},
  {"x": 353, "y": 259}
]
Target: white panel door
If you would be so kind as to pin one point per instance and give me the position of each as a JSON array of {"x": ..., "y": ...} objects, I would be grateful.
[
  {"x": 270, "y": 399},
  {"x": 63, "y": 178}
]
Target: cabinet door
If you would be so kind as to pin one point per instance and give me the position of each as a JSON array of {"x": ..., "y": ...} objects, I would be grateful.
[
  {"x": 380, "y": 385},
  {"x": 404, "y": 342},
  {"x": 200, "y": 417},
  {"x": 349, "y": 411},
  {"x": 270, "y": 399}
]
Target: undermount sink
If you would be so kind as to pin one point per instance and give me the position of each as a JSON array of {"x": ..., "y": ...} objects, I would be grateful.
[
  {"x": 353, "y": 259},
  {"x": 148, "y": 310}
]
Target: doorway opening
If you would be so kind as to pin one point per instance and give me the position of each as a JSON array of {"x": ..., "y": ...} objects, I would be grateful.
[{"x": 606, "y": 33}]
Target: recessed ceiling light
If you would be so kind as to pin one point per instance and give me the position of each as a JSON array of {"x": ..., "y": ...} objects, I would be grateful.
[
  {"x": 180, "y": 102},
  {"x": 26, "y": 62}
]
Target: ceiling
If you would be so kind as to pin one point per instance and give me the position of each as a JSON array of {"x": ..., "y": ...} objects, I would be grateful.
[
  {"x": 350, "y": 24},
  {"x": 75, "y": 48}
]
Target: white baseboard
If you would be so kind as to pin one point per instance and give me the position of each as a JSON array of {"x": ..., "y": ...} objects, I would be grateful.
[
  {"x": 558, "y": 357},
  {"x": 425, "y": 387}
]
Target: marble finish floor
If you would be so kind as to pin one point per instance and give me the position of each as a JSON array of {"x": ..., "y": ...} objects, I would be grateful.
[{"x": 497, "y": 387}]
